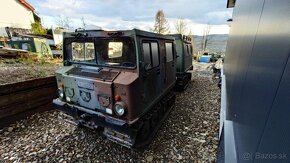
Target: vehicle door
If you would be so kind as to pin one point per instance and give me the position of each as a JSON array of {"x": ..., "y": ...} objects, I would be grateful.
[
  {"x": 188, "y": 56},
  {"x": 151, "y": 77},
  {"x": 170, "y": 68}
]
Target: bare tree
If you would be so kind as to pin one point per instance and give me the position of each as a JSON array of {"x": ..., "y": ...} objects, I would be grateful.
[
  {"x": 161, "y": 25},
  {"x": 205, "y": 37},
  {"x": 181, "y": 26},
  {"x": 64, "y": 22},
  {"x": 192, "y": 40}
]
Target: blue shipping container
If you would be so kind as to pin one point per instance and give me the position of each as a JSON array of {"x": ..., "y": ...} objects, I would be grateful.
[{"x": 205, "y": 58}]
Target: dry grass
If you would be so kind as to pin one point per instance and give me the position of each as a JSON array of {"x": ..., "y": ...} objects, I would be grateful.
[{"x": 25, "y": 68}]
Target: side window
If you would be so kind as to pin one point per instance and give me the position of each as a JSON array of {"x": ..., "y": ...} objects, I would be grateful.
[
  {"x": 169, "y": 51},
  {"x": 155, "y": 55},
  {"x": 146, "y": 53},
  {"x": 191, "y": 50},
  {"x": 187, "y": 47},
  {"x": 151, "y": 54}
]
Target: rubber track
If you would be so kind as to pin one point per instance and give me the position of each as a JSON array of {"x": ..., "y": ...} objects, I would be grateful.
[{"x": 168, "y": 102}]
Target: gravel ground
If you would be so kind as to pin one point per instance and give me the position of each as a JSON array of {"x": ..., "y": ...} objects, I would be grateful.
[
  {"x": 190, "y": 134},
  {"x": 16, "y": 72}
]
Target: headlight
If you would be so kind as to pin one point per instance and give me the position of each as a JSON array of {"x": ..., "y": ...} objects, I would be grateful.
[
  {"x": 119, "y": 109},
  {"x": 60, "y": 93}
]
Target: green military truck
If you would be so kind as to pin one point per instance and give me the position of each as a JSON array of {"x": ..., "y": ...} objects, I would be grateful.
[
  {"x": 120, "y": 82},
  {"x": 184, "y": 60}
]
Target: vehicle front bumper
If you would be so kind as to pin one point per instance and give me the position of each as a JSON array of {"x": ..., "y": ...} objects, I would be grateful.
[{"x": 98, "y": 118}]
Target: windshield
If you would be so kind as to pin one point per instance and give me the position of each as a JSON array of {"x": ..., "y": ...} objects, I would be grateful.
[
  {"x": 117, "y": 52},
  {"x": 83, "y": 51}
]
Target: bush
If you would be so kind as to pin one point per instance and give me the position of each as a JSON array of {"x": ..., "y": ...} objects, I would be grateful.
[{"x": 37, "y": 28}]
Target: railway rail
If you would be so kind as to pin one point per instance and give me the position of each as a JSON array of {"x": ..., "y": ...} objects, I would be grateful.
[{"x": 21, "y": 99}]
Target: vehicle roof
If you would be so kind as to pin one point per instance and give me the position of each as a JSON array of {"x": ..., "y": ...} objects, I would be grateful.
[{"x": 128, "y": 33}]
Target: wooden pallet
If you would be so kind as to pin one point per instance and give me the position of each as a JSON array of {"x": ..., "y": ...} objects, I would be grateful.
[{"x": 19, "y": 100}]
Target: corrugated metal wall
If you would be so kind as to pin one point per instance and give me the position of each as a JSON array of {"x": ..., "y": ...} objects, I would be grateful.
[{"x": 257, "y": 69}]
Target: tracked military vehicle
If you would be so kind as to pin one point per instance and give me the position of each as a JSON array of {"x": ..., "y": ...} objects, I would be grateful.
[
  {"x": 184, "y": 61},
  {"x": 118, "y": 81}
]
